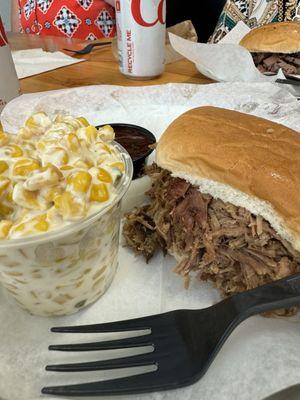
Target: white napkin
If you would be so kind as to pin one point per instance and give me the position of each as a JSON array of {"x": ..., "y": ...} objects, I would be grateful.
[
  {"x": 226, "y": 61},
  {"x": 35, "y": 61}
]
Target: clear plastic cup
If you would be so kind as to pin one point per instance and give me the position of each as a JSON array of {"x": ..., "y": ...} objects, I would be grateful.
[{"x": 60, "y": 272}]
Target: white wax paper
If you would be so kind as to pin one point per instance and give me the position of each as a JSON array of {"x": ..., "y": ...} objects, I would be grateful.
[
  {"x": 260, "y": 357},
  {"x": 226, "y": 61}
]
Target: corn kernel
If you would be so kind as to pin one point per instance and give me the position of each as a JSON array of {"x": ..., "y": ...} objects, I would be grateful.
[
  {"x": 54, "y": 172},
  {"x": 83, "y": 164},
  {"x": 28, "y": 146},
  {"x": 38, "y": 123},
  {"x": 58, "y": 201},
  {"x": 41, "y": 146},
  {"x": 59, "y": 131},
  {"x": 5, "y": 210},
  {"x": 101, "y": 146},
  {"x": 66, "y": 167},
  {"x": 91, "y": 133},
  {"x": 31, "y": 199},
  {"x": 104, "y": 176},
  {"x": 26, "y": 198},
  {"x": 106, "y": 133},
  {"x": 30, "y": 123},
  {"x": 25, "y": 133},
  {"x": 65, "y": 158},
  {"x": 67, "y": 206},
  {"x": 4, "y": 183},
  {"x": 80, "y": 181},
  {"x": 119, "y": 165},
  {"x": 102, "y": 158},
  {"x": 40, "y": 223},
  {"x": 88, "y": 134},
  {"x": 48, "y": 175},
  {"x": 5, "y": 226},
  {"x": 83, "y": 121},
  {"x": 19, "y": 227},
  {"x": 4, "y": 139},
  {"x": 56, "y": 155},
  {"x": 3, "y": 166},
  {"x": 25, "y": 166},
  {"x": 99, "y": 193},
  {"x": 13, "y": 150},
  {"x": 8, "y": 196},
  {"x": 51, "y": 193},
  {"x": 68, "y": 120},
  {"x": 59, "y": 118},
  {"x": 73, "y": 143},
  {"x": 44, "y": 144}
]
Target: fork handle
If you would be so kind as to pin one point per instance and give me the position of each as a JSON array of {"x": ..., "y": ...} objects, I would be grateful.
[
  {"x": 283, "y": 293},
  {"x": 99, "y": 44},
  {"x": 289, "y": 81}
]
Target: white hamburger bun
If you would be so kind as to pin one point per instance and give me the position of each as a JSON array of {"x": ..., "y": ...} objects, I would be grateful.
[
  {"x": 242, "y": 159},
  {"x": 277, "y": 37}
]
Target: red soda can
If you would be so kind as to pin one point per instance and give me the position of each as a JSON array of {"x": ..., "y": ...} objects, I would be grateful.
[{"x": 141, "y": 30}]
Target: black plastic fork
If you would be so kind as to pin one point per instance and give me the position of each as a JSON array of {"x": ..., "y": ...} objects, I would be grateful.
[
  {"x": 185, "y": 342},
  {"x": 88, "y": 48},
  {"x": 288, "y": 81}
]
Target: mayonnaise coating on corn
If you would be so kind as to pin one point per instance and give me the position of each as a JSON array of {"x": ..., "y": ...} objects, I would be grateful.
[{"x": 54, "y": 172}]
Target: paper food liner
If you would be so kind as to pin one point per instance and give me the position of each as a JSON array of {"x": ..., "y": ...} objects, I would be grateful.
[
  {"x": 184, "y": 30},
  {"x": 261, "y": 356},
  {"x": 226, "y": 61}
]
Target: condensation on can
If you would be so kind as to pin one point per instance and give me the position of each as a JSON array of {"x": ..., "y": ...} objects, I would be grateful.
[{"x": 141, "y": 30}]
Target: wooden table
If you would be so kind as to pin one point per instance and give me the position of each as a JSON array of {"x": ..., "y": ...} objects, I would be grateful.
[{"x": 100, "y": 68}]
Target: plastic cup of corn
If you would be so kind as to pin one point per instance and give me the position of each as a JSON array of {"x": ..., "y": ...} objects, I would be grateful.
[{"x": 61, "y": 186}]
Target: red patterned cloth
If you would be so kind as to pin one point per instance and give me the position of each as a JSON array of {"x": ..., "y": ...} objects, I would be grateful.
[
  {"x": 81, "y": 19},
  {"x": 3, "y": 38}
]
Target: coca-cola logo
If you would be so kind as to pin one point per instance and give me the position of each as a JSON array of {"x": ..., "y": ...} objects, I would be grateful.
[
  {"x": 3, "y": 38},
  {"x": 136, "y": 10}
]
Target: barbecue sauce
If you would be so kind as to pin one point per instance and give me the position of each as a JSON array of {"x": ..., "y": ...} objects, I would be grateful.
[{"x": 133, "y": 140}]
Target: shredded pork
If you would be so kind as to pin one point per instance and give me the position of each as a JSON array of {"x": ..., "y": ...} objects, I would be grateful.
[
  {"x": 222, "y": 243},
  {"x": 272, "y": 62}
]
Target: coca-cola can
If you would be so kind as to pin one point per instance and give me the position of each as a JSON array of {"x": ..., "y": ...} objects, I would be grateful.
[
  {"x": 141, "y": 30},
  {"x": 9, "y": 83}
]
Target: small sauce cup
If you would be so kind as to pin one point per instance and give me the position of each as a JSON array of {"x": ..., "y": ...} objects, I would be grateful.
[{"x": 136, "y": 140}]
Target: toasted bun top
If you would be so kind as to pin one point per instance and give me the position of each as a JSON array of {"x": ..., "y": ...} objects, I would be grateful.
[
  {"x": 278, "y": 37},
  {"x": 246, "y": 160}
]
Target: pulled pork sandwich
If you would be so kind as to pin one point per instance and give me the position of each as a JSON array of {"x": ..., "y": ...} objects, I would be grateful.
[
  {"x": 274, "y": 46},
  {"x": 224, "y": 200}
]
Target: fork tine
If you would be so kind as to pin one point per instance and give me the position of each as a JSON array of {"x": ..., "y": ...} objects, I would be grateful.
[
  {"x": 118, "y": 326},
  {"x": 139, "y": 341},
  {"x": 125, "y": 362},
  {"x": 147, "y": 382}
]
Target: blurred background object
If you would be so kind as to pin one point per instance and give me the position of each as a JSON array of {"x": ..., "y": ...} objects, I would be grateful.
[
  {"x": 5, "y": 13},
  {"x": 204, "y": 15},
  {"x": 9, "y": 83}
]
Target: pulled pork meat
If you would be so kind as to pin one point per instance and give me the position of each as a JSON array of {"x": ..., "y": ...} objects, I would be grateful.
[
  {"x": 221, "y": 242},
  {"x": 272, "y": 62}
]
